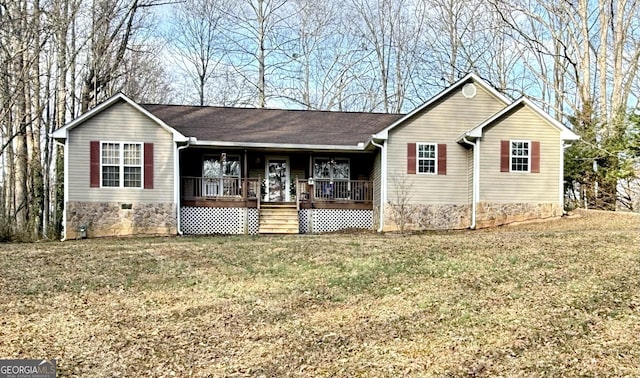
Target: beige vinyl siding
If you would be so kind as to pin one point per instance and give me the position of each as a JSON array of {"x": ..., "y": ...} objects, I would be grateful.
[
  {"x": 299, "y": 173},
  {"x": 375, "y": 177},
  {"x": 120, "y": 123},
  {"x": 443, "y": 122},
  {"x": 519, "y": 187},
  {"x": 257, "y": 173}
]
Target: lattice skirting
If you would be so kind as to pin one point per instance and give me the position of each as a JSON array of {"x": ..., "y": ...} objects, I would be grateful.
[
  {"x": 329, "y": 220},
  {"x": 254, "y": 221},
  {"x": 304, "y": 220},
  {"x": 217, "y": 220}
]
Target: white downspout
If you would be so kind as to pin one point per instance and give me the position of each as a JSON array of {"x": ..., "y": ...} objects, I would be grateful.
[
  {"x": 475, "y": 179},
  {"x": 561, "y": 179},
  {"x": 176, "y": 183},
  {"x": 383, "y": 180},
  {"x": 65, "y": 196}
]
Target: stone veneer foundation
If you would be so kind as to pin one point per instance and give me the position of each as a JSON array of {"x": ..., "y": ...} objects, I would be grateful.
[
  {"x": 490, "y": 214},
  {"x": 451, "y": 217},
  {"x": 431, "y": 217},
  {"x": 116, "y": 219}
]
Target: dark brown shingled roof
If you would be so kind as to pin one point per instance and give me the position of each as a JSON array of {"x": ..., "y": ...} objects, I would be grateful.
[{"x": 244, "y": 125}]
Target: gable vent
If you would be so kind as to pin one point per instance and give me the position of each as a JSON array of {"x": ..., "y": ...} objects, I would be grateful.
[{"x": 469, "y": 90}]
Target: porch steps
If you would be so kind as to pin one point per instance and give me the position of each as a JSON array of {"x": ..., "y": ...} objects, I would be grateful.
[{"x": 278, "y": 218}]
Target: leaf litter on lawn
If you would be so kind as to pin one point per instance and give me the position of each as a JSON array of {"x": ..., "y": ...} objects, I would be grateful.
[{"x": 554, "y": 298}]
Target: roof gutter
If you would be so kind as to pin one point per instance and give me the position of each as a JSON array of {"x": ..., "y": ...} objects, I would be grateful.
[
  {"x": 176, "y": 182},
  {"x": 475, "y": 182},
  {"x": 324, "y": 147},
  {"x": 383, "y": 180}
]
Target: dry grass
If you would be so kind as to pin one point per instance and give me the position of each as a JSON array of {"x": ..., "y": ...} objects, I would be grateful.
[{"x": 559, "y": 298}]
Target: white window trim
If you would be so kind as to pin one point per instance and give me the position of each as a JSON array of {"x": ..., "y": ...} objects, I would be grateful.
[
  {"x": 511, "y": 155},
  {"x": 435, "y": 165},
  {"x": 315, "y": 158},
  {"x": 121, "y": 164}
]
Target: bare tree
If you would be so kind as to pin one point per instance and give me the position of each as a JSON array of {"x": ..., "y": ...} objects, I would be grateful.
[
  {"x": 321, "y": 56},
  {"x": 145, "y": 78},
  {"x": 390, "y": 31},
  {"x": 255, "y": 37},
  {"x": 196, "y": 40},
  {"x": 593, "y": 49},
  {"x": 19, "y": 40},
  {"x": 42, "y": 55},
  {"x": 112, "y": 29}
]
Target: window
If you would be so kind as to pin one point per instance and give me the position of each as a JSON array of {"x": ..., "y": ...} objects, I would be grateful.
[
  {"x": 221, "y": 166},
  {"x": 520, "y": 156},
  {"x": 121, "y": 164},
  {"x": 333, "y": 169},
  {"x": 221, "y": 175},
  {"x": 111, "y": 164},
  {"x": 332, "y": 177},
  {"x": 427, "y": 158},
  {"x": 132, "y": 154}
]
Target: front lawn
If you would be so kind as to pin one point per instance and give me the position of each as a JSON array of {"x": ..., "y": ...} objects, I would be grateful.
[{"x": 559, "y": 298}]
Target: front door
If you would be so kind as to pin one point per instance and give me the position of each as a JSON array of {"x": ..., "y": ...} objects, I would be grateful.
[{"x": 277, "y": 174}]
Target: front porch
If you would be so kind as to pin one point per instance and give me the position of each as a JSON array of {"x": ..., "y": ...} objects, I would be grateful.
[
  {"x": 224, "y": 192},
  {"x": 235, "y": 207}
]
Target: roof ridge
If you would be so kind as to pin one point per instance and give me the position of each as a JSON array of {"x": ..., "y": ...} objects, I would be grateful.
[{"x": 272, "y": 109}]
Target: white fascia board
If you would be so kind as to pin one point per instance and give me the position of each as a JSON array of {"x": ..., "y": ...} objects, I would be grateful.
[
  {"x": 384, "y": 134},
  {"x": 63, "y": 132},
  {"x": 285, "y": 146},
  {"x": 565, "y": 132}
]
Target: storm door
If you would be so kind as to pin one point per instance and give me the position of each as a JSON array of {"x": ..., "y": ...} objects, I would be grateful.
[{"x": 277, "y": 182}]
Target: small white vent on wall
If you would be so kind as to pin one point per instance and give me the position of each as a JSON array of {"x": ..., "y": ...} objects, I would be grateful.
[{"x": 469, "y": 90}]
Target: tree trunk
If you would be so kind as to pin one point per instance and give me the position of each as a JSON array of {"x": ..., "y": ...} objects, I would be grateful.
[{"x": 261, "y": 54}]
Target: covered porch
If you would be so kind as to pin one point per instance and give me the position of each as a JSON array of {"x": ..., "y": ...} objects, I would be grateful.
[
  {"x": 326, "y": 191},
  {"x": 221, "y": 178}
]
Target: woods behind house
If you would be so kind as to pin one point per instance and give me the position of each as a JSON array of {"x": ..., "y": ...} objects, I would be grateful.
[{"x": 58, "y": 58}]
